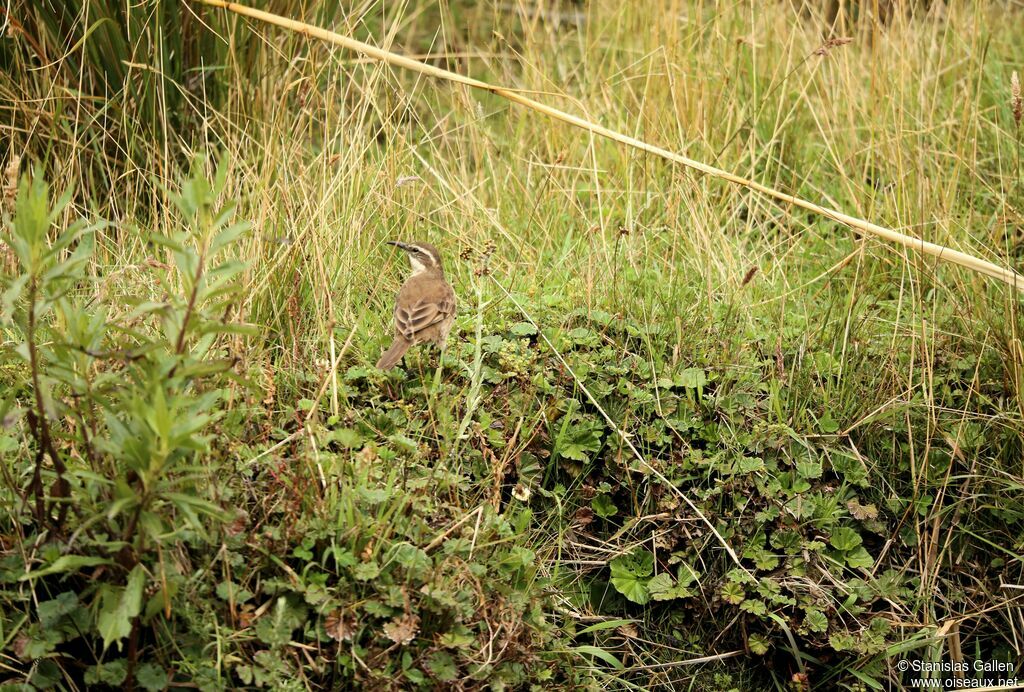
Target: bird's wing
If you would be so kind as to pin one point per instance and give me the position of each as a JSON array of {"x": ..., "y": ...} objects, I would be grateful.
[{"x": 411, "y": 320}]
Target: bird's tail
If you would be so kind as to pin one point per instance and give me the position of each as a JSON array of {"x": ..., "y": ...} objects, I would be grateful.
[{"x": 390, "y": 357}]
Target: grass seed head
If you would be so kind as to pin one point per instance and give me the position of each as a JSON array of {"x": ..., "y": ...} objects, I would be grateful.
[
  {"x": 825, "y": 48},
  {"x": 1016, "y": 102}
]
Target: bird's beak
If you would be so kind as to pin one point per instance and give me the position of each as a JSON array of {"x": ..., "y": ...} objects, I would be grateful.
[{"x": 398, "y": 244}]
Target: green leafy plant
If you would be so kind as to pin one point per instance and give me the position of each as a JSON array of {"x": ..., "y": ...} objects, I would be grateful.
[
  {"x": 118, "y": 407},
  {"x": 631, "y": 575}
]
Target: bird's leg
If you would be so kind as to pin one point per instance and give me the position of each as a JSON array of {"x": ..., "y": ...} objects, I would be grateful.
[{"x": 440, "y": 365}]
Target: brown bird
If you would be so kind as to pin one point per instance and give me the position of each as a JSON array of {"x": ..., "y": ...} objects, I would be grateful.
[{"x": 425, "y": 306}]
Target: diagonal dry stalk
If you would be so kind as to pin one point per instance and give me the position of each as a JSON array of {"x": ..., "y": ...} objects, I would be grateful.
[{"x": 860, "y": 225}]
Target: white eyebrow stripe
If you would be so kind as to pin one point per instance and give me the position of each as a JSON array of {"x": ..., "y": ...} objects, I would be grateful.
[{"x": 428, "y": 253}]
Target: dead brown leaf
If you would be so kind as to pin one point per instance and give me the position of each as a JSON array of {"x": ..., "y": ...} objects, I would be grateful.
[
  {"x": 402, "y": 630},
  {"x": 628, "y": 631},
  {"x": 862, "y": 512},
  {"x": 340, "y": 625},
  {"x": 583, "y": 517}
]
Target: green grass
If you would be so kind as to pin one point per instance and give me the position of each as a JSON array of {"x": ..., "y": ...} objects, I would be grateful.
[{"x": 846, "y": 414}]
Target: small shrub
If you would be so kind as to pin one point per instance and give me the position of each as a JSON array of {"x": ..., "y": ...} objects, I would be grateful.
[{"x": 107, "y": 424}]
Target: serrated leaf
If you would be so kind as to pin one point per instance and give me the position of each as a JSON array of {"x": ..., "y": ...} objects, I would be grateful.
[
  {"x": 862, "y": 512},
  {"x": 523, "y": 329},
  {"x": 749, "y": 464},
  {"x": 50, "y": 612},
  {"x": 346, "y": 437},
  {"x": 662, "y": 587},
  {"x": 366, "y": 571},
  {"x": 639, "y": 563},
  {"x": 860, "y": 557},
  {"x": 46, "y": 675},
  {"x": 844, "y": 538},
  {"x": 630, "y": 575},
  {"x": 584, "y": 336},
  {"x": 759, "y": 644},
  {"x": 151, "y": 677},
  {"x": 442, "y": 665},
  {"x": 232, "y": 592},
  {"x": 578, "y": 439},
  {"x": 275, "y": 627},
  {"x": 816, "y": 621},
  {"x": 692, "y": 378},
  {"x": 603, "y": 506},
  {"x": 110, "y": 672},
  {"x": 809, "y": 469},
  {"x": 412, "y": 558},
  {"x": 733, "y": 593},
  {"x": 754, "y": 606},
  {"x": 402, "y": 630}
]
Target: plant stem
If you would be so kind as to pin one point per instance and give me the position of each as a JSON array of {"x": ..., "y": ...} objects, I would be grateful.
[{"x": 39, "y": 425}]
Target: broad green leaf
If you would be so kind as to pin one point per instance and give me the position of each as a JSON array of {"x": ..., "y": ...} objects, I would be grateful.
[
  {"x": 630, "y": 575},
  {"x": 365, "y": 571},
  {"x": 151, "y": 677},
  {"x": 692, "y": 378},
  {"x": 860, "y": 557},
  {"x": 442, "y": 665},
  {"x": 632, "y": 587},
  {"x": 816, "y": 621},
  {"x": 845, "y": 539},
  {"x": 663, "y": 588},
  {"x": 603, "y": 506},
  {"x": 53, "y": 610},
  {"x": 578, "y": 439},
  {"x": 523, "y": 329},
  {"x": 754, "y": 606},
  {"x": 749, "y": 464},
  {"x": 733, "y": 593},
  {"x": 346, "y": 437},
  {"x": 639, "y": 563},
  {"x": 412, "y": 558},
  {"x": 809, "y": 469},
  {"x": 46, "y": 675},
  {"x": 232, "y": 592},
  {"x": 759, "y": 644},
  {"x": 111, "y": 673},
  {"x": 119, "y": 606}
]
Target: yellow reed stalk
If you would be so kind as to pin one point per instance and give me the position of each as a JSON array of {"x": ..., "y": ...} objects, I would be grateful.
[{"x": 939, "y": 251}]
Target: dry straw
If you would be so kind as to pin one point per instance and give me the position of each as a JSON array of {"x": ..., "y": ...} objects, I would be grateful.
[{"x": 941, "y": 252}]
